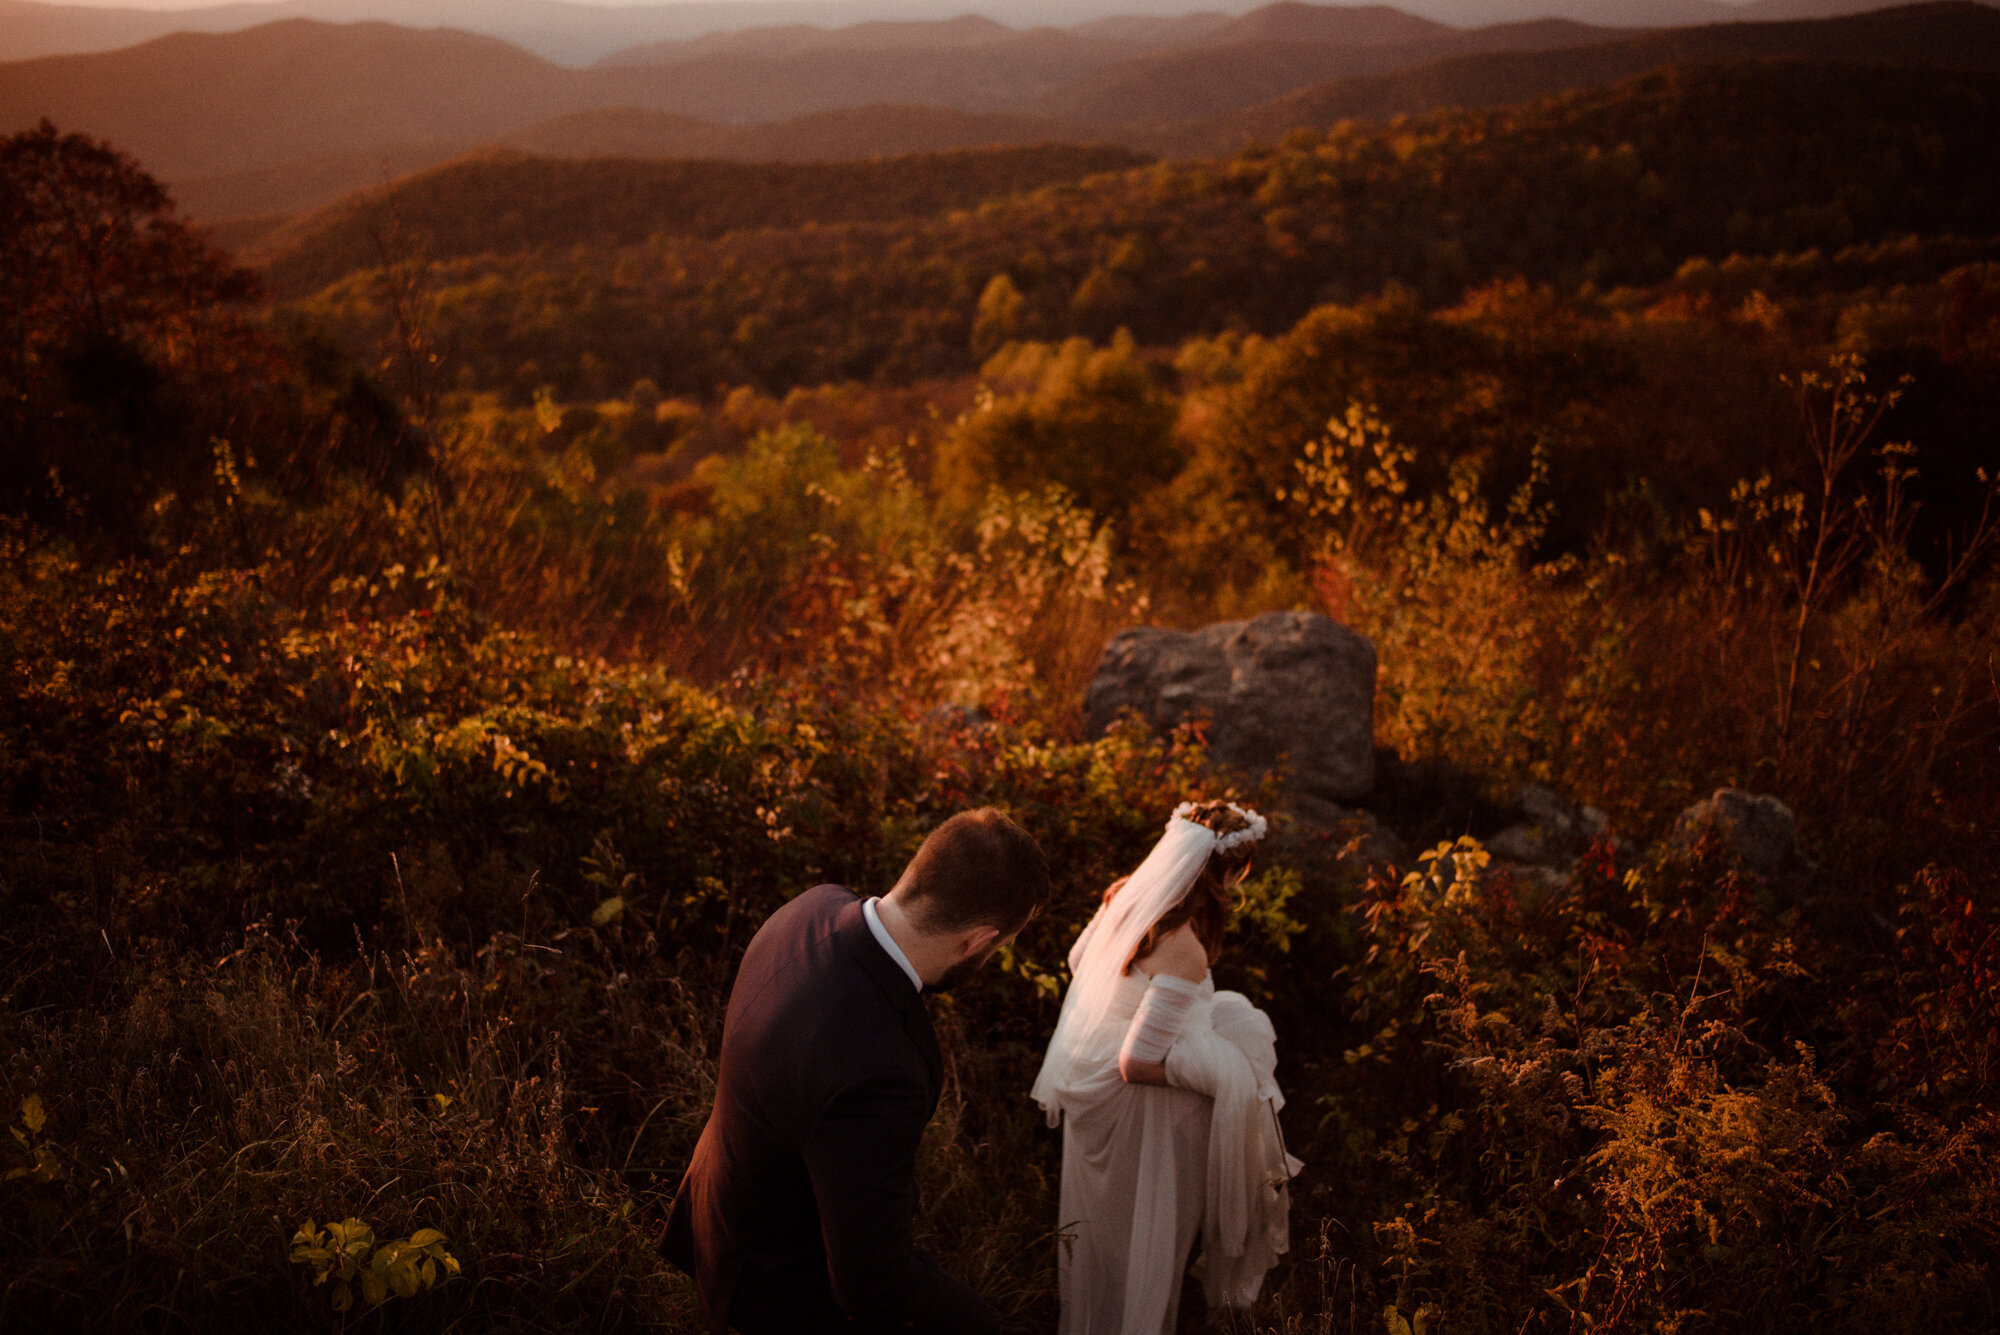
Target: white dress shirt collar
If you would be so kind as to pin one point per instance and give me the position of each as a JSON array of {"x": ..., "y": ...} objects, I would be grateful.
[{"x": 888, "y": 942}]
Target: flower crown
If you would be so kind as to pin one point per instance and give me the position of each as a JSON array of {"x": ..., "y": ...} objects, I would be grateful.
[{"x": 1253, "y": 830}]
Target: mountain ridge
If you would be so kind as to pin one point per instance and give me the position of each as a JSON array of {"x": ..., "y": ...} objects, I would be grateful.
[
  {"x": 578, "y": 34},
  {"x": 1175, "y": 84},
  {"x": 291, "y": 114},
  {"x": 844, "y": 135},
  {"x": 1946, "y": 34},
  {"x": 509, "y": 201},
  {"x": 284, "y": 91}
]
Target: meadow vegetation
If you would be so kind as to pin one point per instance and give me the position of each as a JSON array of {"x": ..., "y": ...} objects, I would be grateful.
[{"x": 396, "y": 757}]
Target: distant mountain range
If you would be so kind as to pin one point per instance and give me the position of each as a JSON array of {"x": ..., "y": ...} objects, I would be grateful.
[
  {"x": 578, "y": 33},
  {"x": 1944, "y": 36},
  {"x": 255, "y": 202},
  {"x": 1228, "y": 73},
  {"x": 288, "y": 115}
]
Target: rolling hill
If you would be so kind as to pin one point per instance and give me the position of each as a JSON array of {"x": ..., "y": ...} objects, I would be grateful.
[
  {"x": 224, "y": 110},
  {"x": 579, "y": 33},
  {"x": 1947, "y": 34},
  {"x": 967, "y": 30},
  {"x": 1154, "y": 29},
  {"x": 1615, "y": 186},
  {"x": 1003, "y": 72},
  {"x": 512, "y": 203},
  {"x": 292, "y": 114},
  {"x": 1217, "y": 77},
  {"x": 568, "y": 33},
  {"x": 1353, "y": 25},
  {"x": 196, "y": 104},
  {"x": 827, "y": 136}
]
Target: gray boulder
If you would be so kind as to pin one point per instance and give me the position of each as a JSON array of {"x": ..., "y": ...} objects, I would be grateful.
[
  {"x": 1759, "y": 832},
  {"x": 1293, "y": 686},
  {"x": 1551, "y": 832}
]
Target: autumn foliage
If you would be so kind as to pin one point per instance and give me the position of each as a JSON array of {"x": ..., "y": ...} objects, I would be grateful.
[{"x": 401, "y": 736}]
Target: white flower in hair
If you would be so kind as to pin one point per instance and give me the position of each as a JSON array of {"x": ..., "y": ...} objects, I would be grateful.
[{"x": 1254, "y": 829}]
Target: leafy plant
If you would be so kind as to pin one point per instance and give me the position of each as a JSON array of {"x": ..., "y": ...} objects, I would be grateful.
[
  {"x": 44, "y": 1165},
  {"x": 348, "y": 1255}
]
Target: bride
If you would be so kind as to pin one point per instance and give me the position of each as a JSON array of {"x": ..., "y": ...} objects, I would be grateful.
[{"x": 1164, "y": 1088}]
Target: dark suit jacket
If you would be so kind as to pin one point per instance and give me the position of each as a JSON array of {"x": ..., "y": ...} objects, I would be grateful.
[{"x": 802, "y": 1194}]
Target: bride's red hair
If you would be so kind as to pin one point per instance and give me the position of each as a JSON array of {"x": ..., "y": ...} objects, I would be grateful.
[{"x": 1208, "y": 902}]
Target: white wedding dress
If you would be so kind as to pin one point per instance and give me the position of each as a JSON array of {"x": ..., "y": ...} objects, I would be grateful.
[{"x": 1146, "y": 1167}]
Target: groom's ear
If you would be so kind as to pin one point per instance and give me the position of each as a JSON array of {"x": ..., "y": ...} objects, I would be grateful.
[{"x": 977, "y": 940}]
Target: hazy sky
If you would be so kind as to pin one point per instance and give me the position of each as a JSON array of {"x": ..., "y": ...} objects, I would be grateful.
[{"x": 1138, "y": 6}]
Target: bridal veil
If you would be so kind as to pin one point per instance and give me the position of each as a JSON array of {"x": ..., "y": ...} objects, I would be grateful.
[{"x": 1098, "y": 960}]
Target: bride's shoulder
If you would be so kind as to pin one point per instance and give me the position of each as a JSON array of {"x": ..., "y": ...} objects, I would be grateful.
[{"x": 1180, "y": 954}]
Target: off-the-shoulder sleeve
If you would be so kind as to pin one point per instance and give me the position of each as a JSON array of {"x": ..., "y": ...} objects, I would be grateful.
[{"x": 1161, "y": 1017}]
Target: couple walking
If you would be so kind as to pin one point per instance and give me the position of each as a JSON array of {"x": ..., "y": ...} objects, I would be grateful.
[{"x": 797, "y": 1212}]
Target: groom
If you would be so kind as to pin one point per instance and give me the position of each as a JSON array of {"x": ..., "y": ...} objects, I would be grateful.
[{"x": 796, "y": 1214}]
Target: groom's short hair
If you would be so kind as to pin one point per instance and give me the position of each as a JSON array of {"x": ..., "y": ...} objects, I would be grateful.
[{"x": 978, "y": 869}]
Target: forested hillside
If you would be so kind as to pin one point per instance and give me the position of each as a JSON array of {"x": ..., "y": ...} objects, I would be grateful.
[
  {"x": 511, "y": 204},
  {"x": 1611, "y": 187}
]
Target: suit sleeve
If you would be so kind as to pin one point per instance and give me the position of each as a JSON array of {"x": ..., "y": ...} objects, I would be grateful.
[{"x": 862, "y": 1158}]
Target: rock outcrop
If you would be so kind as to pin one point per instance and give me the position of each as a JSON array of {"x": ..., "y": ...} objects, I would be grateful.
[
  {"x": 1551, "y": 831},
  {"x": 1294, "y": 687},
  {"x": 1758, "y": 831}
]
